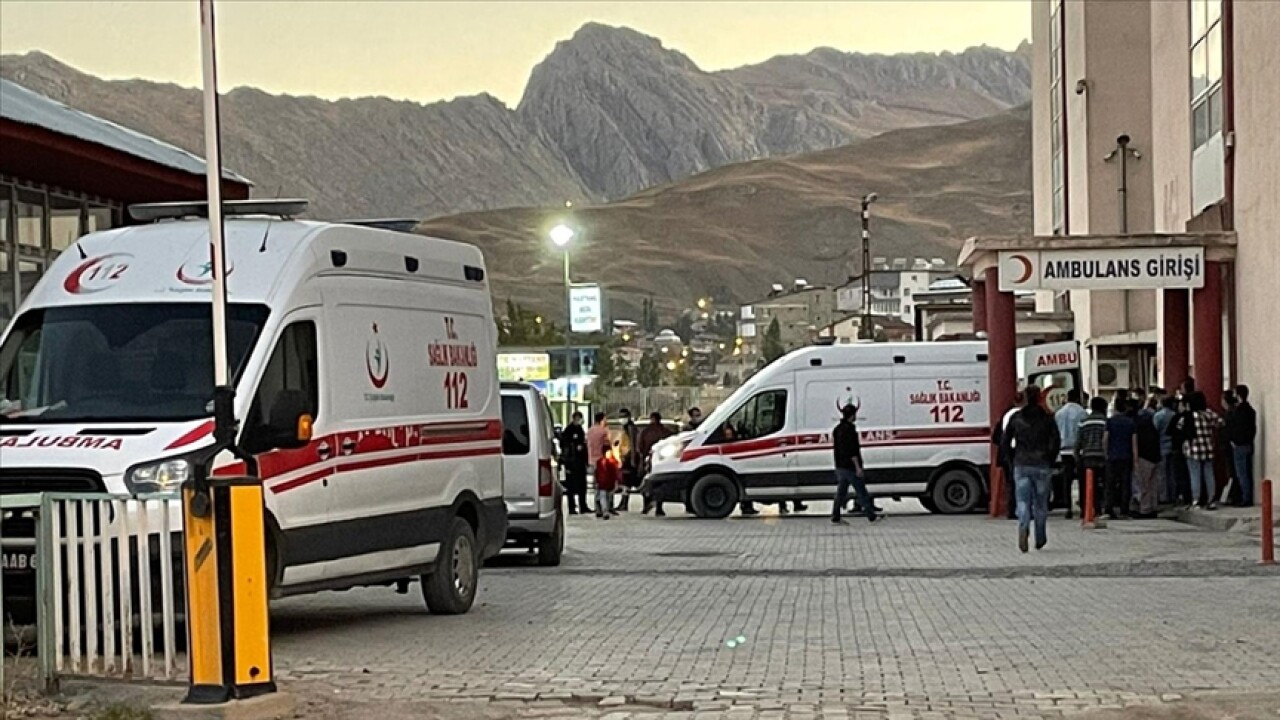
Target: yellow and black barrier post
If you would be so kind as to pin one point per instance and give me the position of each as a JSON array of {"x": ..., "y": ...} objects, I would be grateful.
[{"x": 227, "y": 616}]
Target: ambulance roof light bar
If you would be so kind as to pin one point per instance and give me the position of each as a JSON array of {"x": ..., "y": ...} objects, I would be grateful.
[{"x": 282, "y": 208}]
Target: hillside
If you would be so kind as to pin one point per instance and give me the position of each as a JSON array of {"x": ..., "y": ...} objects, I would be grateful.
[
  {"x": 735, "y": 230},
  {"x": 608, "y": 113}
]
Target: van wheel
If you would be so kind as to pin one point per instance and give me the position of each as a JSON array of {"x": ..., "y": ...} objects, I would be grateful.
[
  {"x": 955, "y": 492},
  {"x": 714, "y": 496},
  {"x": 451, "y": 587},
  {"x": 928, "y": 504},
  {"x": 551, "y": 547}
]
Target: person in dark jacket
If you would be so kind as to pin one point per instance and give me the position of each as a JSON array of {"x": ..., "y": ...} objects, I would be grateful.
[
  {"x": 632, "y": 463},
  {"x": 573, "y": 456},
  {"x": 849, "y": 469},
  {"x": 1032, "y": 443},
  {"x": 1146, "y": 467},
  {"x": 1122, "y": 448},
  {"x": 1091, "y": 452},
  {"x": 651, "y": 435},
  {"x": 1242, "y": 429}
]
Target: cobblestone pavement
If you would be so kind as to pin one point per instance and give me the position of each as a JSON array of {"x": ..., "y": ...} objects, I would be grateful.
[{"x": 918, "y": 617}]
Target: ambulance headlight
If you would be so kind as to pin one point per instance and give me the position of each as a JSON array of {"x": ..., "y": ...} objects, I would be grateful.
[
  {"x": 669, "y": 450},
  {"x": 166, "y": 476}
]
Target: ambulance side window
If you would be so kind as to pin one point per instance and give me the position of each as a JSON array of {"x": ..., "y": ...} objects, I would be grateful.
[
  {"x": 762, "y": 415},
  {"x": 289, "y": 385}
]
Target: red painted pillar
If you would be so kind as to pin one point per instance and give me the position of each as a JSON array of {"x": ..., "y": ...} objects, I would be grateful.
[
  {"x": 1175, "y": 356},
  {"x": 1001, "y": 346},
  {"x": 979, "y": 295},
  {"x": 1207, "y": 306}
]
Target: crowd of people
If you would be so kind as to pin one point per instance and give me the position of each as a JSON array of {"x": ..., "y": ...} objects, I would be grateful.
[{"x": 1143, "y": 451}]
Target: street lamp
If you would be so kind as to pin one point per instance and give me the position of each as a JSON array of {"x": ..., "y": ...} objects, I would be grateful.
[
  {"x": 867, "y": 199},
  {"x": 561, "y": 236}
]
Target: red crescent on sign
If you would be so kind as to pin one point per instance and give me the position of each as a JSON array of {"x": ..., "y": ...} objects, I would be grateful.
[
  {"x": 1027, "y": 269},
  {"x": 378, "y": 380}
]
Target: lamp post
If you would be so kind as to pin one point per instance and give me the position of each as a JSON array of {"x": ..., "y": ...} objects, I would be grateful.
[
  {"x": 866, "y": 331},
  {"x": 561, "y": 236}
]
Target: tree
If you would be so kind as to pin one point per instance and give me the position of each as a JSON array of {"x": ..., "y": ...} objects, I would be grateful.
[
  {"x": 682, "y": 376},
  {"x": 649, "y": 374},
  {"x": 772, "y": 347},
  {"x": 684, "y": 327},
  {"x": 523, "y": 326},
  {"x": 649, "y": 318}
]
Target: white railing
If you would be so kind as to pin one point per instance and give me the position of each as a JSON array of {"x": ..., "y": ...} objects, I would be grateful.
[{"x": 108, "y": 585}]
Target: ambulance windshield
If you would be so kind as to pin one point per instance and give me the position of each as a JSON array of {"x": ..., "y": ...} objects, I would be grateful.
[{"x": 138, "y": 362}]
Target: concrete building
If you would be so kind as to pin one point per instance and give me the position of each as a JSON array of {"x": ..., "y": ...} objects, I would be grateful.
[
  {"x": 800, "y": 313},
  {"x": 64, "y": 173},
  {"x": 886, "y": 328},
  {"x": 894, "y": 285},
  {"x": 1156, "y": 163}
]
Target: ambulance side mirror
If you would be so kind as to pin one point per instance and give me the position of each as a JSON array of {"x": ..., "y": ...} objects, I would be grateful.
[{"x": 289, "y": 427}]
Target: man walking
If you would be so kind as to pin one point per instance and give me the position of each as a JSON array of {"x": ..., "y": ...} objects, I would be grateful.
[
  {"x": 1091, "y": 452},
  {"x": 1122, "y": 447},
  {"x": 1242, "y": 428},
  {"x": 1033, "y": 444},
  {"x": 849, "y": 468},
  {"x": 1068, "y": 419},
  {"x": 653, "y": 433},
  {"x": 573, "y": 456}
]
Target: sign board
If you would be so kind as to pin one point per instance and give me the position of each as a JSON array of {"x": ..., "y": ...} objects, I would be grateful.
[
  {"x": 524, "y": 366},
  {"x": 586, "y": 314},
  {"x": 1102, "y": 269}
]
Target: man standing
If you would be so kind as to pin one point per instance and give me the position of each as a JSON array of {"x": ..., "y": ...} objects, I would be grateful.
[
  {"x": 653, "y": 433},
  {"x": 1091, "y": 452},
  {"x": 1122, "y": 445},
  {"x": 1146, "y": 466},
  {"x": 1169, "y": 474},
  {"x": 1242, "y": 428},
  {"x": 695, "y": 419},
  {"x": 1200, "y": 449},
  {"x": 849, "y": 469},
  {"x": 1033, "y": 443},
  {"x": 573, "y": 456},
  {"x": 1068, "y": 419},
  {"x": 627, "y": 447},
  {"x": 597, "y": 441}
]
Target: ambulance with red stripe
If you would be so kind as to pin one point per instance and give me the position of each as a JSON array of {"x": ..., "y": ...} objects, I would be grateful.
[
  {"x": 922, "y": 418},
  {"x": 366, "y": 388}
]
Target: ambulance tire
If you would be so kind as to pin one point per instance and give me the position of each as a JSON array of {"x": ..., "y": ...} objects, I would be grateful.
[
  {"x": 956, "y": 492},
  {"x": 551, "y": 547},
  {"x": 714, "y": 496},
  {"x": 451, "y": 587},
  {"x": 928, "y": 504}
]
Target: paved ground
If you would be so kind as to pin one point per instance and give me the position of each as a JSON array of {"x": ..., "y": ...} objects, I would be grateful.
[{"x": 918, "y": 617}]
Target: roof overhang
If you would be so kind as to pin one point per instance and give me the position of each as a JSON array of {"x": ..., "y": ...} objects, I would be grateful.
[{"x": 981, "y": 253}]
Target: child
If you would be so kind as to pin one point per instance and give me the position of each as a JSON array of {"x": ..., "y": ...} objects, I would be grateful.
[{"x": 608, "y": 475}]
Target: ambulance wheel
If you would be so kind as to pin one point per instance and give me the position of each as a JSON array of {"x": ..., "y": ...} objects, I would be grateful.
[
  {"x": 956, "y": 492},
  {"x": 929, "y": 504},
  {"x": 451, "y": 587},
  {"x": 714, "y": 496},
  {"x": 551, "y": 547}
]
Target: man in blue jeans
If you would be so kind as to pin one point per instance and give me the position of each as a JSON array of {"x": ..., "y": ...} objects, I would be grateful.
[
  {"x": 849, "y": 469},
  {"x": 1242, "y": 428},
  {"x": 1033, "y": 442}
]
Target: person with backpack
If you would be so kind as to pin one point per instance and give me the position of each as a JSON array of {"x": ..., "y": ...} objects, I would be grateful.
[{"x": 1033, "y": 443}]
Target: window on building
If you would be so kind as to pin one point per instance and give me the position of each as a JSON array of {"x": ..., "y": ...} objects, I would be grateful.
[
  {"x": 64, "y": 221},
  {"x": 1056, "y": 101},
  {"x": 30, "y": 218},
  {"x": 8, "y": 295},
  {"x": 1208, "y": 152}
]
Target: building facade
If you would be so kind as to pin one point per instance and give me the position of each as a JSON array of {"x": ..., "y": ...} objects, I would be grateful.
[{"x": 1193, "y": 86}]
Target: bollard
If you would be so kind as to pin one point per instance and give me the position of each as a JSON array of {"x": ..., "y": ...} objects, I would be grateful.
[
  {"x": 1087, "y": 517},
  {"x": 997, "y": 492},
  {"x": 1268, "y": 527}
]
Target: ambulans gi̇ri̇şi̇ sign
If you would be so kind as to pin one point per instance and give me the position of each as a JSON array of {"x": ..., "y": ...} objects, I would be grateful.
[{"x": 1102, "y": 269}]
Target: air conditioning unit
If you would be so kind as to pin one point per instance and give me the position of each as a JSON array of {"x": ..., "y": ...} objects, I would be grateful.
[{"x": 1112, "y": 375}]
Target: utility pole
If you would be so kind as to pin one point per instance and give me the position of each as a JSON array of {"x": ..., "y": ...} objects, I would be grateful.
[
  {"x": 1123, "y": 151},
  {"x": 866, "y": 330}
]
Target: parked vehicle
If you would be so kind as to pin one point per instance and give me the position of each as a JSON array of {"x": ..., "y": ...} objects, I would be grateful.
[
  {"x": 535, "y": 514},
  {"x": 363, "y": 362},
  {"x": 922, "y": 416}
]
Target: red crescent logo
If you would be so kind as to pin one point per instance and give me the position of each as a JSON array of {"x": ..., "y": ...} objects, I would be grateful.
[
  {"x": 99, "y": 272},
  {"x": 1027, "y": 268},
  {"x": 375, "y": 353}
]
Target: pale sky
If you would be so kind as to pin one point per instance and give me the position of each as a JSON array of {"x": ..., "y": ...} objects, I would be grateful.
[{"x": 428, "y": 51}]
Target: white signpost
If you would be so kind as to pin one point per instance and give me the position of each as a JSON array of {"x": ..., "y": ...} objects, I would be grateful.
[
  {"x": 586, "y": 314},
  {"x": 1118, "y": 269}
]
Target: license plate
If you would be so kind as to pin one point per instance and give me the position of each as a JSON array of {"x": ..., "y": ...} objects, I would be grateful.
[{"x": 19, "y": 561}]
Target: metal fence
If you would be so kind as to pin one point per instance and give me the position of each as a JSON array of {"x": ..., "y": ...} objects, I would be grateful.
[
  {"x": 107, "y": 586},
  {"x": 672, "y": 402}
]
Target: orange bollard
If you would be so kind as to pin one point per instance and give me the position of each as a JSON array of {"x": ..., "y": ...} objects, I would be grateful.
[
  {"x": 1087, "y": 517},
  {"x": 1268, "y": 526}
]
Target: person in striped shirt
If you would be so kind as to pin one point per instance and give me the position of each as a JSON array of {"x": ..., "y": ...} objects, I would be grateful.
[{"x": 1091, "y": 450}]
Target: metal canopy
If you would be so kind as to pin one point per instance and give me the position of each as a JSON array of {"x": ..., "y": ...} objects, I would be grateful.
[{"x": 150, "y": 212}]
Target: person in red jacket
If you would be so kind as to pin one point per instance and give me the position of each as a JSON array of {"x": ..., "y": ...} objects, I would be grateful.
[{"x": 608, "y": 476}]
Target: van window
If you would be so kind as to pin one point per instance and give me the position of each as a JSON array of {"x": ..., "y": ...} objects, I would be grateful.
[
  {"x": 762, "y": 415},
  {"x": 134, "y": 362},
  {"x": 515, "y": 426},
  {"x": 293, "y": 370}
]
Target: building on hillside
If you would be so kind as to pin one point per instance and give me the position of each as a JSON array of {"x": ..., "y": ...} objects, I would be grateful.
[
  {"x": 64, "y": 173},
  {"x": 800, "y": 314},
  {"x": 894, "y": 286},
  {"x": 1175, "y": 103},
  {"x": 885, "y": 328}
]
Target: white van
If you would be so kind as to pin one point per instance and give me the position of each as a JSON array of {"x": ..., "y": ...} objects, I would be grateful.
[
  {"x": 386, "y": 340},
  {"x": 535, "y": 516},
  {"x": 922, "y": 416}
]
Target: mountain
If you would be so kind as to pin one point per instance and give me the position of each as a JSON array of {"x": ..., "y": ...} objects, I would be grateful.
[
  {"x": 608, "y": 113},
  {"x": 735, "y": 230}
]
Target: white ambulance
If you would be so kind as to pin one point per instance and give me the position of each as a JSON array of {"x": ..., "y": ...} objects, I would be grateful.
[
  {"x": 922, "y": 417},
  {"x": 383, "y": 340},
  {"x": 1054, "y": 367}
]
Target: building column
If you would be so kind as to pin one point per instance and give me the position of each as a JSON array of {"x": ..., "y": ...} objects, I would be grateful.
[
  {"x": 978, "y": 294},
  {"x": 1207, "y": 307},
  {"x": 1175, "y": 331},
  {"x": 1002, "y": 376}
]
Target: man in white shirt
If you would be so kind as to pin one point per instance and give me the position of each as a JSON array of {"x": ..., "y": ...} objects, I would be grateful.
[{"x": 1068, "y": 418}]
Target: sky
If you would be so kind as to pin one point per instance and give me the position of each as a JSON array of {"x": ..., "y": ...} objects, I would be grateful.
[{"x": 427, "y": 51}]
